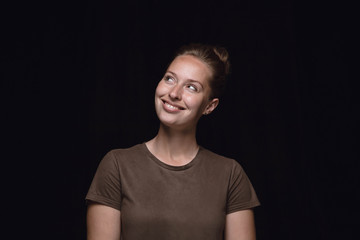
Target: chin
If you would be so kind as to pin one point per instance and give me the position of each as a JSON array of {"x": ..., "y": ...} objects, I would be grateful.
[{"x": 168, "y": 121}]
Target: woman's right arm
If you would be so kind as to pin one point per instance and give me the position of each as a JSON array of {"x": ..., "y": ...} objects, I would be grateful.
[{"x": 103, "y": 222}]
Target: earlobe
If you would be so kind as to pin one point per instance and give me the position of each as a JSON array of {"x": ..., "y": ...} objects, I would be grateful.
[{"x": 211, "y": 106}]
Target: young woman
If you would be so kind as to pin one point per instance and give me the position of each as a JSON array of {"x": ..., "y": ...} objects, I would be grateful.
[{"x": 170, "y": 187}]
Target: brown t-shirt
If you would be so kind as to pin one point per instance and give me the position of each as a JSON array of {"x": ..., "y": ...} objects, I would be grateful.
[{"x": 162, "y": 202}]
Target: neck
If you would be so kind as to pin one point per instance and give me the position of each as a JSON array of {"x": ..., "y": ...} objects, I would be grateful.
[{"x": 174, "y": 147}]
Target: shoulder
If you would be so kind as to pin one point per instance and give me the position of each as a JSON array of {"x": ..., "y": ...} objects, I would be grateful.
[
  {"x": 118, "y": 152},
  {"x": 220, "y": 161},
  {"x": 121, "y": 155}
]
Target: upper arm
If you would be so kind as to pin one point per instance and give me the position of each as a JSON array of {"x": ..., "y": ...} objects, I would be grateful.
[
  {"x": 240, "y": 225},
  {"x": 103, "y": 222}
]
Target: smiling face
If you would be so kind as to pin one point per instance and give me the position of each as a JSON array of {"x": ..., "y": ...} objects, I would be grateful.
[{"x": 182, "y": 96}]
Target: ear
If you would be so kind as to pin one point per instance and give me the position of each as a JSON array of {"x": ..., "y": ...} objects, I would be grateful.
[{"x": 211, "y": 106}]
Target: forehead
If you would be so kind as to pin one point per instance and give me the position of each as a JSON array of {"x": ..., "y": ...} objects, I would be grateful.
[{"x": 190, "y": 66}]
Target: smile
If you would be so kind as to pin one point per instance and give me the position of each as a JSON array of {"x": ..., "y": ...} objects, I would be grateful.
[{"x": 172, "y": 107}]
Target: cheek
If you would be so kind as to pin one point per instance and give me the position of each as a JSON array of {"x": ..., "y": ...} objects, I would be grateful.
[
  {"x": 194, "y": 102},
  {"x": 160, "y": 89}
]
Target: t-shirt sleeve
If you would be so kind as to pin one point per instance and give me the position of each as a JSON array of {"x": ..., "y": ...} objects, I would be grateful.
[
  {"x": 106, "y": 186},
  {"x": 241, "y": 194}
]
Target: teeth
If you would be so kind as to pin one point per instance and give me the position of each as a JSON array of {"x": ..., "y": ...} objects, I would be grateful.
[{"x": 171, "y": 106}]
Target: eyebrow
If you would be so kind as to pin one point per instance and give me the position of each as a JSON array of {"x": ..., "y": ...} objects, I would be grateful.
[{"x": 191, "y": 80}]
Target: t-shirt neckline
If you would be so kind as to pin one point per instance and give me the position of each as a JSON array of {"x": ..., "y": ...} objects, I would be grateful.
[{"x": 172, "y": 167}]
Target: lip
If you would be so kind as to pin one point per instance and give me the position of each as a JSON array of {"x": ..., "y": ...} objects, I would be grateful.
[{"x": 171, "y": 107}]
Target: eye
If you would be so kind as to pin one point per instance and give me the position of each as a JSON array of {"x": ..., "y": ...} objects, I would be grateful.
[
  {"x": 192, "y": 87},
  {"x": 169, "y": 79}
]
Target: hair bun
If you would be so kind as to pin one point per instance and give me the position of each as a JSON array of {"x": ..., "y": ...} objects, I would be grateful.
[
  {"x": 223, "y": 55},
  {"x": 216, "y": 57}
]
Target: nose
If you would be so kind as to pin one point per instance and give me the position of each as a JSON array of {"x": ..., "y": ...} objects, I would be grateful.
[{"x": 175, "y": 92}]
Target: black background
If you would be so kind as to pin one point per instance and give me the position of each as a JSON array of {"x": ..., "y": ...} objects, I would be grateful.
[{"x": 78, "y": 79}]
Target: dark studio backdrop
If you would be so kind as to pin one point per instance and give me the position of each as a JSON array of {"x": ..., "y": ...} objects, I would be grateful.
[{"x": 78, "y": 79}]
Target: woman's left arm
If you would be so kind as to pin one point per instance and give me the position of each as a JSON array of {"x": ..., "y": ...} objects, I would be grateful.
[{"x": 240, "y": 225}]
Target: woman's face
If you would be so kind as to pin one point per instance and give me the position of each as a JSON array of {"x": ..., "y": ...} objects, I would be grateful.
[{"x": 182, "y": 96}]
